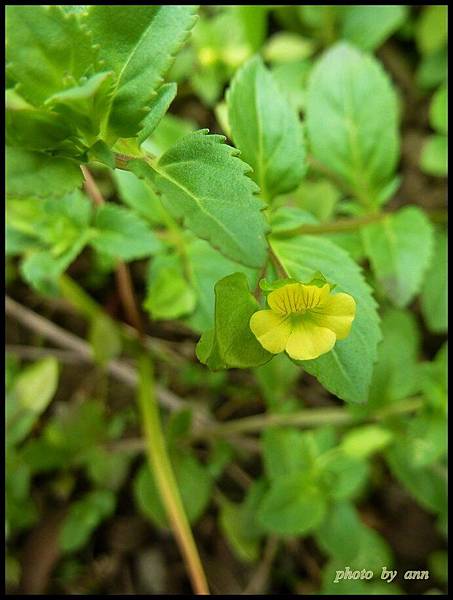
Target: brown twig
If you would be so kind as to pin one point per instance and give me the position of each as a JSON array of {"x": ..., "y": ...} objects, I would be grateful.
[
  {"x": 123, "y": 276},
  {"x": 258, "y": 582},
  {"x": 69, "y": 341}
]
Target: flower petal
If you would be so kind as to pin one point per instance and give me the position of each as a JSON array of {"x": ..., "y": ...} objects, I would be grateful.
[
  {"x": 337, "y": 313},
  {"x": 272, "y": 330},
  {"x": 308, "y": 341}
]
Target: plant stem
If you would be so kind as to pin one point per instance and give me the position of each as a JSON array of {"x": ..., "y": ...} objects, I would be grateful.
[
  {"x": 123, "y": 276},
  {"x": 160, "y": 464},
  {"x": 336, "y": 226},
  {"x": 314, "y": 417},
  {"x": 280, "y": 269}
]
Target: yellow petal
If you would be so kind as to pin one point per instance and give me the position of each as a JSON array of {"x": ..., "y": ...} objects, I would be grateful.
[
  {"x": 272, "y": 330},
  {"x": 337, "y": 313},
  {"x": 296, "y": 297},
  {"x": 308, "y": 341}
]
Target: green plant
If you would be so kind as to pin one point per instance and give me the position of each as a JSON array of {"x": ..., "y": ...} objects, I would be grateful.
[{"x": 294, "y": 207}]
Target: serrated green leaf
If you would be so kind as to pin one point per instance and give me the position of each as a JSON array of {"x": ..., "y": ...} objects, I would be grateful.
[
  {"x": 347, "y": 369},
  {"x": 39, "y": 175},
  {"x": 138, "y": 44},
  {"x": 352, "y": 120},
  {"x": 32, "y": 128},
  {"x": 48, "y": 50},
  {"x": 434, "y": 291},
  {"x": 399, "y": 248},
  {"x": 164, "y": 97},
  {"x": 266, "y": 130},
  {"x": 169, "y": 294},
  {"x": 122, "y": 234},
  {"x": 433, "y": 159},
  {"x": 369, "y": 26},
  {"x": 204, "y": 184},
  {"x": 86, "y": 105},
  {"x": 232, "y": 343}
]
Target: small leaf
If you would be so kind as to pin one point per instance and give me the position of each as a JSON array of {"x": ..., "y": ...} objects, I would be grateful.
[
  {"x": 138, "y": 44},
  {"x": 399, "y": 248},
  {"x": 194, "y": 482},
  {"x": 266, "y": 130},
  {"x": 292, "y": 506},
  {"x": 352, "y": 120},
  {"x": 232, "y": 343},
  {"x": 169, "y": 294},
  {"x": 432, "y": 30},
  {"x": 139, "y": 195},
  {"x": 105, "y": 339},
  {"x": 434, "y": 290},
  {"x": 204, "y": 184},
  {"x": 165, "y": 96},
  {"x": 35, "y": 174},
  {"x": 122, "y": 234},
  {"x": 86, "y": 105},
  {"x": 433, "y": 159},
  {"x": 84, "y": 517},
  {"x": 438, "y": 110},
  {"x": 48, "y": 50},
  {"x": 369, "y": 26}
]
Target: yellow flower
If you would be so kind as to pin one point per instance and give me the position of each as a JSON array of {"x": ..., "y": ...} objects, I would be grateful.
[{"x": 304, "y": 320}]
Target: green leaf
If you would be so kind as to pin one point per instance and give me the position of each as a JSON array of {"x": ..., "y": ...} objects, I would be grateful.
[
  {"x": 433, "y": 159},
  {"x": 122, "y": 234},
  {"x": 169, "y": 294},
  {"x": 399, "y": 248},
  {"x": 231, "y": 521},
  {"x": 138, "y": 44},
  {"x": 194, "y": 482},
  {"x": 369, "y": 26},
  {"x": 352, "y": 120},
  {"x": 204, "y": 184},
  {"x": 342, "y": 476},
  {"x": 432, "y": 31},
  {"x": 438, "y": 110},
  {"x": 33, "y": 390},
  {"x": 104, "y": 338},
  {"x": 35, "y": 174},
  {"x": 48, "y": 50},
  {"x": 294, "y": 505},
  {"x": 394, "y": 376},
  {"x": 206, "y": 267},
  {"x": 232, "y": 344},
  {"x": 86, "y": 105},
  {"x": 165, "y": 96},
  {"x": 32, "y": 128},
  {"x": 170, "y": 129},
  {"x": 285, "y": 450},
  {"x": 139, "y": 195},
  {"x": 362, "y": 442},
  {"x": 84, "y": 517},
  {"x": 347, "y": 369},
  {"x": 266, "y": 130},
  {"x": 434, "y": 291},
  {"x": 427, "y": 486}
]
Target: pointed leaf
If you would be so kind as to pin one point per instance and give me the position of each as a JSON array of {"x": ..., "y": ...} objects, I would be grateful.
[
  {"x": 399, "y": 248},
  {"x": 138, "y": 43},
  {"x": 48, "y": 50},
  {"x": 204, "y": 184},
  {"x": 266, "y": 129}
]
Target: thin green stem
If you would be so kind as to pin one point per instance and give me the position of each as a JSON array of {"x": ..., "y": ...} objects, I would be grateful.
[
  {"x": 160, "y": 464},
  {"x": 314, "y": 417},
  {"x": 335, "y": 227}
]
